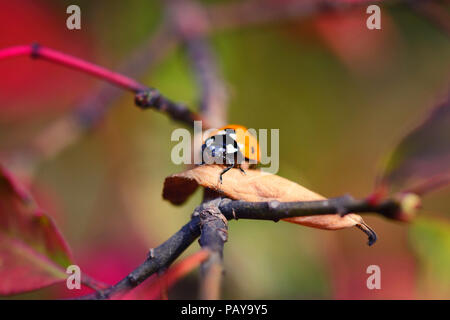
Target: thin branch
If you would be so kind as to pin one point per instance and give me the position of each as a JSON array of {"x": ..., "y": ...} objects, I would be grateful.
[
  {"x": 214, "y": 234},
  {"x": 400, "y": 208},
  {"x": 39, "y": 52},
  {"x": 159, "y": 258},
  {"x": 276, "y": 210},
  {"x": 145, "y": 97}
]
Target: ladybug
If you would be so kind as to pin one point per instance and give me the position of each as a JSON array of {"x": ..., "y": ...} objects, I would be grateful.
[{"x": 233, "y": 146}]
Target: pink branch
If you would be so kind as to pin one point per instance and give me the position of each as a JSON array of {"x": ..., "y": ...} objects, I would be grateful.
[
  {"x": 37, "y": 51},
  {"x": 15, "y": 52},
  {"x": 145, "y": 97}
]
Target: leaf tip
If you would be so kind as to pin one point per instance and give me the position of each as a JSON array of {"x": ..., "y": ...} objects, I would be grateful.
[{"x": 371, "y": 234}]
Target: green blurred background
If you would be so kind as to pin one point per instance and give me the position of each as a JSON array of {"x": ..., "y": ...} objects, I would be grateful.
[{"x": 341, "y": 95}]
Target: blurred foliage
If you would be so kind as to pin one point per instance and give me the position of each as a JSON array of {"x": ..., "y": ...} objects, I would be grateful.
[
  {"x": 336, "y": 121},
  {"x": 431, "y": 240}
]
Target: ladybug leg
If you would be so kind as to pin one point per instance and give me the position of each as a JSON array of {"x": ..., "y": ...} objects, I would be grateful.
[
  {"x": 242, "y": 170},
  {"x": 224, "y": 171}
]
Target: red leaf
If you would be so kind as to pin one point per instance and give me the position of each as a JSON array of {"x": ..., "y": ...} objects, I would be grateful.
[{"x": 33, "y": 253}]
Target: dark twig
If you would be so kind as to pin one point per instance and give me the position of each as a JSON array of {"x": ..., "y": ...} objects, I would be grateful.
[
  {"x": 214, "y": 234},
  {"x": 151, "y": 98},
  {"x": 159, "y": 258},
  {"x": 276, "y": 210},
  {"x": 401, "y": 207}
]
